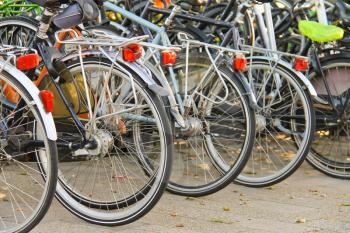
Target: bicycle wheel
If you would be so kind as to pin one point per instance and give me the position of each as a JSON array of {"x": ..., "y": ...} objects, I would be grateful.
[
  {"x": 213, "y": 149},
  {"x": 244, "y": 26},
  {"x": 330, "y": 149},
  {"x": 285, "y": 124},
  {"x": 26, "y": 191},
  {"x": 124, "y": 207},
  {"x": 18, "y": 31},
  {"x": 124, "y": 175}
]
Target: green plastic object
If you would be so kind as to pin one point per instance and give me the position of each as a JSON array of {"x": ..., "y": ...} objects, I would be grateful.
[{"x": 319, "y": 32}]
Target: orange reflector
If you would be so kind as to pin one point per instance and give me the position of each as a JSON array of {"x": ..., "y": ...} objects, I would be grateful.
[
  {"x": 160, "y": 3},
  {"x": 301, "y": 64},
  {"x": 48, "y": 99},
  {"x": 168, "y": 58},
  {"x": 132, "y": 52},
  {"x": 28, "y": 62},
  {"x": 240, "y": 63}
]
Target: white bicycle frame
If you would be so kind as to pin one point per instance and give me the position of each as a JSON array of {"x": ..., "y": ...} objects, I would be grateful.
[
  {"x": 321, "y": 11},
  {"x": 269, "y": 39}
]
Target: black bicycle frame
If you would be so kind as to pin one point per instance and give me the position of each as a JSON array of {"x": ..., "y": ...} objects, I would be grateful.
[{"x": 48, "y": 59}]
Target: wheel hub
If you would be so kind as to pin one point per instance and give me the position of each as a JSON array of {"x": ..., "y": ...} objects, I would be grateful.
[
  {"x": 193, "y": 127},
  {"x": 102, "y": 143},
  {"x": 260, "y": 122}
]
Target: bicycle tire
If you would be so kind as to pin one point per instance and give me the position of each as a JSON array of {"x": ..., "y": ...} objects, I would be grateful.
[
  {"x": 262, "y": 170},
  {"x": 330, "y": 159},
  {"x": 28, "y": 165}
]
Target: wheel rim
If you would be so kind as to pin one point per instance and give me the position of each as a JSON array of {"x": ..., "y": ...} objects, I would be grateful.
[{"x": 275, "y": 154}]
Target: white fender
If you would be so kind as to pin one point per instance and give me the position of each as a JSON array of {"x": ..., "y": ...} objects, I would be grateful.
[
  {"x": 289, "y": 68},
  {"x": 48, "y": 121}
]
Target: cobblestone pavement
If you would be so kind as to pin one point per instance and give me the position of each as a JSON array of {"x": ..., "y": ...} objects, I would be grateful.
[{"x": 307, "y": 202}]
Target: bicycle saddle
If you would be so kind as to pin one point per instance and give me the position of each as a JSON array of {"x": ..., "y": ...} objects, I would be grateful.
[
  {"x": 84, "y": 10},
  {"x": 77, "y": 11},
  {"x": 319, "y": 32}
]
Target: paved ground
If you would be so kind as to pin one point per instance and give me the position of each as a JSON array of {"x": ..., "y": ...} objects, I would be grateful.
[{"x": 307, "y": 202}]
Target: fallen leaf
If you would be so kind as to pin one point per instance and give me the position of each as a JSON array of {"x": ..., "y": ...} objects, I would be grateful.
[
  {"x": 219, "y": 220},
  {"x": 204, "y": 166},
  {"x": 301, "y": 220},
  {"x": 243, "y": 203},
  {"x": 2, "y": 196},
  {"x": 23, "y": 173},
  {"x": 190, "y": 198},
  {"x": 260, "y": 158},
  {"x": 187, "y": 173},
  {"x": 270, "y": 188},
  {"x": 343, "y": 204},
  {"x": 288, "y": 154},
  {"x": 250, "y": 172},
  {"x": 280, "y": 136},
  {"x": 180, "y": 225},
  {"x": 226, "y": 209},
  {"x": 180, "y": 142},
  {"x": 173, "y": 214}
]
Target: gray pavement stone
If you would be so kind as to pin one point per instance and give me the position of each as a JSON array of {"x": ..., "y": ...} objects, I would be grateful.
[{"x": 307, "y": 195}]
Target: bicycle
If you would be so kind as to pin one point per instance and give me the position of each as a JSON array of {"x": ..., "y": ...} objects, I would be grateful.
[
  {"x": 114, "y": 145},
  {"x": 214, "y": 181},
  {"x": 28, "y": 141},
  {"x": 328, "y": 153},
  {"x": 198, "y": 175},
  {"x": 271, "y": 165}
]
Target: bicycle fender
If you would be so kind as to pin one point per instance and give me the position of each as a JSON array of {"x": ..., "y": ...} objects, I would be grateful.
[
  {"x": 288, "y": 67},
  {"x": 136, "y": 67},
  {"x": 33, "y": 91},
  {"x": 146, "y": 76},
  {"x": 247, "y": 89}
]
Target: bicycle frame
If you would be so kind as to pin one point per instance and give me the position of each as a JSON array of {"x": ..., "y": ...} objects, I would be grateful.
[
  {"x": 177, "y": 103},
  {"x": 321, "y": 11}
]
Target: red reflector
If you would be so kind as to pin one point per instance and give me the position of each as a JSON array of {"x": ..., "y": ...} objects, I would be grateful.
[
  {"x": 168, "y": 58},
  {"x": 28, "y": 62},
  {"x": 160, "y": 3},
  {"x": 47, "y": 98},
  {"x": 301, "y": 64},
  {"x": 132, "y": 52},
  {"x": 240, "y": 63}
]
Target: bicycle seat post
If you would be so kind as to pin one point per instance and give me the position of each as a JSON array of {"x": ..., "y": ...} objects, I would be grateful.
[{"x": 45, "y": 22}]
